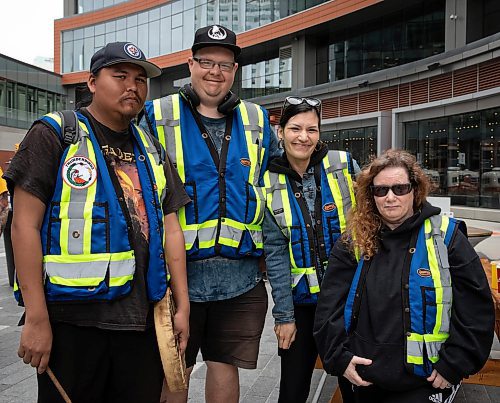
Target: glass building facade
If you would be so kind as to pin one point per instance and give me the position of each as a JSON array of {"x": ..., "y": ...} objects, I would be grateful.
[
  {"x": 27, "y": 92},
  {"x": 360, "y": 142},
  {"x": 388, "y": 41},
  {"x": 461, "y": 155},
  {"x": 175, "y": 23},
  {"x": 84, "y": 6}
]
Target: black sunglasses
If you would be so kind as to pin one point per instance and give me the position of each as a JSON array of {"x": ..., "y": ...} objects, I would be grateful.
[
  {"x": 398, "y": 190},
  {"x": 314, "y": 102}
]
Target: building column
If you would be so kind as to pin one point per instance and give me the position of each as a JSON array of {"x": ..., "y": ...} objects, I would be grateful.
[
  {"x": 455, "y": 24},
  {"x": 303, "y": 63}
]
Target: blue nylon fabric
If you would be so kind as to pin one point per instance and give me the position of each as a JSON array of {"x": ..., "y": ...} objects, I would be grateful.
[{"x": 117, "y": 227}]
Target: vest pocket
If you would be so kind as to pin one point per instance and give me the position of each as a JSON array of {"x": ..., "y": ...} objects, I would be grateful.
[{"x": 191, "y": 209}]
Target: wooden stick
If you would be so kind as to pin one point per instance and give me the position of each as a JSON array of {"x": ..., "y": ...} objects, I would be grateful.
[{"x": 58, "y": 386}]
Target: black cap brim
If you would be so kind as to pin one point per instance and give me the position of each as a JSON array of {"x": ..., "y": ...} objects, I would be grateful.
[
  {"x": 151, "y": 69},
  {"x": 236, "y": 49}
]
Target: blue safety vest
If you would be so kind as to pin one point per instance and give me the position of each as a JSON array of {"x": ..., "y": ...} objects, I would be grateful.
[
  {"x": 87, "y": 254},
  {"x": 292, "y": 215},
  {"x": 428, "y": 291},
  {"x": 227, "y": 208}
]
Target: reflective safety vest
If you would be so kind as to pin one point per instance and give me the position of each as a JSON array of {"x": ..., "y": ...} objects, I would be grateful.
[
  {"x": 227, "y": 208},
  {"x": 428, "y": 291},
  {"x": 87, "y": 252},
  {"x": 292, "y": 215}
]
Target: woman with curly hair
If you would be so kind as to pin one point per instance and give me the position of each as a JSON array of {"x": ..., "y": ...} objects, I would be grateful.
[{"x": 405, "y": 311}]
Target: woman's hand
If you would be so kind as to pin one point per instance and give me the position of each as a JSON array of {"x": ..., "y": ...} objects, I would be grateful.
[
  {"x": 438, "y": 381},
  {"x": 285, "y": 333},
  {"x": 181, "y": 329},
  {"x": 352, "y": 375}
]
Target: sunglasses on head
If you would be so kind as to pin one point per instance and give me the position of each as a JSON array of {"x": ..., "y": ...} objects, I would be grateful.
[
  {"x": 398, "y": 190},
  {"x": 314, "y": 102}
]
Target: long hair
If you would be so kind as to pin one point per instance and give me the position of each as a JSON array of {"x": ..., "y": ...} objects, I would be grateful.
[{"x": 364, "y": 221}]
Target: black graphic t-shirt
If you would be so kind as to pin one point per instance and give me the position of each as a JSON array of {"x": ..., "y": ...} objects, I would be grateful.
[{"x": 35, "y": 168}]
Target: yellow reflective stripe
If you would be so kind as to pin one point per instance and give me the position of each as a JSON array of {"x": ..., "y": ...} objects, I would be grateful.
[
  {"x": 335, "y": 189},
  {"x": 417, "y": 360},
  {"x": 260, "y": 113},
  {"x": 415, "y": 337},
  {"x": 91, "y": 281},
  {"x": 95, "y": 257},
  {"x": 89, "y": 204},
  {"x": 436, "y": 275},
  {"x": 226, "y": 241},
  {"x": 179, "y": 154},
  {"x": 56, "y": 117},
  {"x": 287, "y": 211},
  {"x": 159, "y": 128}
]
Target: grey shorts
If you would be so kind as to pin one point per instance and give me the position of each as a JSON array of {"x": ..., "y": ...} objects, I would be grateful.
[{"x": 228, "y": 331}]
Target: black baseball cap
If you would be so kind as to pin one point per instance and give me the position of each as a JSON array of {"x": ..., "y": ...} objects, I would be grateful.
[
  {"x": 122, "y": 52},
  {"x": 215, "y": 35}
]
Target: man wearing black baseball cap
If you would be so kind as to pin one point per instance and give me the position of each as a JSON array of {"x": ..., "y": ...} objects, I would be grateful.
[
  {"x": 221, "y": 146},
  {"x": 93, "y": 195}
]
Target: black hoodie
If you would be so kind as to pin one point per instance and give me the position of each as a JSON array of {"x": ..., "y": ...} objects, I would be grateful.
[{"x": 379, "y": 332}]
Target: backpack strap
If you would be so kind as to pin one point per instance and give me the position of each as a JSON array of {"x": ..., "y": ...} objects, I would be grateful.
[{"x": 69, "y": 127}]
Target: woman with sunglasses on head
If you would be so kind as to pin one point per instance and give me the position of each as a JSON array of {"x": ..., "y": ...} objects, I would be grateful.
[
  {"x": 309, "y": 192},
  {"x": 405, "y": 311}
]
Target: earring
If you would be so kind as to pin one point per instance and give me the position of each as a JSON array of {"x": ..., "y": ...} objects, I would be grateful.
[{"x": 281, "y": 144}]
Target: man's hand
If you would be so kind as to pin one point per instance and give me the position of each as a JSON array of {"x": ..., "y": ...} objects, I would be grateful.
[
  {"x": 36, "y": 343},
  {"x": 438, "y": 381},
  {"x": 352, "y": 375},
  {"x": 181, "y": 329},
  {"x": 285, "y": 333}
]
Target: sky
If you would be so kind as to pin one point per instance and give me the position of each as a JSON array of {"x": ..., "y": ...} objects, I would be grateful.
[{"x": 27, "y": 29}]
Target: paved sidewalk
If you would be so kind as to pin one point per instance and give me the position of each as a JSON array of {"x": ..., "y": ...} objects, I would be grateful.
[{"x": 18, "y": 381}]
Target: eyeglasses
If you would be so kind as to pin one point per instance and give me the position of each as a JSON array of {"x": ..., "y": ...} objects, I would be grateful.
[
  {"x": 398, "y": 190},
  {"x": 208, "y": 64},
  {"x": 314, "y": 102}
]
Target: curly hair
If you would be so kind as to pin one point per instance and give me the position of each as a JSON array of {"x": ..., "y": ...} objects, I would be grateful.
[{"x": 364, "y": 221}]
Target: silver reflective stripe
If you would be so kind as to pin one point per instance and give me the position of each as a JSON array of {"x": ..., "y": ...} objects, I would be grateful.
[
  {"x": 150, "y": 147},
  {"x": 337, "y": 168},
  {"x": 230, "y": 232},
  {"x": 296, "y": 278},
  {"x": 261, "y": 197},
  {"x": 76, "y": 207},
  {"x": 277, "y": 206},
  {"x": 168, "y": 123},
  {"x": 256, "y": 236},
  {"x": 206, "y": 234},
  {"x": 257, "y": 135},
  {"x": 433, "y": 348},
  {"x": 97, "y": 269},
  {"x": 190, "y": 236},
  {"x": 312, "y": 279},
  {"x": 444, "y": 270},
  {"x": 415, "y": 348}
]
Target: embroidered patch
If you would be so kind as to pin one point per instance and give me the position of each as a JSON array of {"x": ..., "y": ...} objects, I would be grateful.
[
  {"x": 424, "y": 272},
  {"x": 329, "y": 207},
  {"x": 79, "y": 172},
  {"x": 132, "y": 50},
  {"x": 278, "y": 211},
  {"x": 217, "y": 33},
  {"x": 245, "y": 162}
]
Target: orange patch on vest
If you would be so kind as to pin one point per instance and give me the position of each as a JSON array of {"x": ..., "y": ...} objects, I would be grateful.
[
  {"x": 329, "y": 207},
  {"x": 245, "y": 162},
  {"x": 424, "y": 272}
]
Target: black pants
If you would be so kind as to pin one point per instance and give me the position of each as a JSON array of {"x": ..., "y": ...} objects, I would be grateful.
[
  {"x": 427, "y": 394},
  {"x": 297, "y": 363},
  {"x": 97, "y": 366}
]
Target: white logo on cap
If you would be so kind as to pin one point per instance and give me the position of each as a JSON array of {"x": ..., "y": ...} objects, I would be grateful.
[
  {"x": 132, "y": 50},
  {"x": 217, "y": 33}
]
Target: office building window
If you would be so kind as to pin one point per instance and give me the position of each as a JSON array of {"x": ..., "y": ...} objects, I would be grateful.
[
  {"x": 84, "y": 6},
  {"x": 169, "y": 27},
  {"x": 389, "y": 41},
  {"x": 461, "y": 155},
  {"x": 360, "y": 142}
]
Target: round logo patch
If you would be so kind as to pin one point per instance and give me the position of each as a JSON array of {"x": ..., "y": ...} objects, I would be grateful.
[
  {"x": 329, "y": 207},
  {"x": 79, "y": 172},
  {"x": 132, "y": 50},
  {"x": 217, "y": 33},
  {"x": 245, "y": 162},
  {"x": 424, "y": 272}
]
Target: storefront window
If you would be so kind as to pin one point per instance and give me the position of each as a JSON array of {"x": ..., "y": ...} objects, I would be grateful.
[
  {"x": 460, "y": 154},
  {"x": 360, "y": 142}
]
